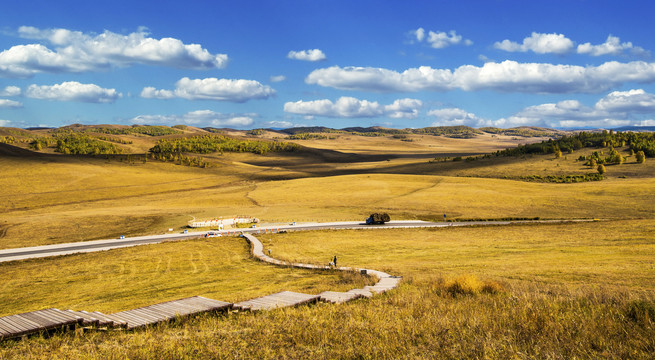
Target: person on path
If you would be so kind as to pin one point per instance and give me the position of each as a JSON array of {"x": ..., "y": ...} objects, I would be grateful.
[{"x": 335, "y": 261}]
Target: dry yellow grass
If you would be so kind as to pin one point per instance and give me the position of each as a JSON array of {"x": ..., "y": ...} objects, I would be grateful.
[
  {"x": 122, "y": 279},
  {"x": 616, "y": 254}
]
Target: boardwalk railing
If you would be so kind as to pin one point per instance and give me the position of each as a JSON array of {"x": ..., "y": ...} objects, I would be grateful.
[{"x": 54, "y": 319}]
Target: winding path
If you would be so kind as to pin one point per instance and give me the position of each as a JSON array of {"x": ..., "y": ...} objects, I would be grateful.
[{"x": 54, "y": 319}]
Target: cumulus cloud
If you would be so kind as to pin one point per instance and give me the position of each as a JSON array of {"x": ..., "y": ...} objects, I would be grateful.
[
  {"x": 439, "y": 39},
  {"x": 506, "y": 76},
  {"x": 632, "y": 101},
  {"x": 618, "y": 108},
  {"x": 349, "y": 107},
  {"x": 5, "y": 103},
  {"x": 307, "y": 55},
  {"x": 278, "y": 78},
  {"x": 73, "y": 91},
  {"x": 419, "y": 34},
  {"x": 455, "y": 116},
  {"x": 198, "y": 118},
  {"x": 150, "y": 92},
  {"x": 10, "y": 91},
  {"x": 279, "y": 124},
  {"x": 239, "y": 90},
  {"x": 4, "y": 123},
  {"x": 75, "y": 51},
  {"x": 538, "y": 43},
  {"x": 611, "y": 46}
]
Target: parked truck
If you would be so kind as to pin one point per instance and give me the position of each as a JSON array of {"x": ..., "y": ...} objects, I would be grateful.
[{"x": 377, "y": 219}]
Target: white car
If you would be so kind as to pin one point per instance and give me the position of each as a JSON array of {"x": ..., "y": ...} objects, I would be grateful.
[{"x": 212, "y": 234}]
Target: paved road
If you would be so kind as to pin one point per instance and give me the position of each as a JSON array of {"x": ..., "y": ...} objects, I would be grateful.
[{"x": 107, "y": 244}]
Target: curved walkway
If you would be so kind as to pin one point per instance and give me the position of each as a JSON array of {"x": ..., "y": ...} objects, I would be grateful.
[{"x": 54, "y": 319}]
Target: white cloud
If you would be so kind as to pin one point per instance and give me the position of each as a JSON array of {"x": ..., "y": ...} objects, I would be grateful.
[
  {"x": 633, "y": 101},
  {"x": 507, "y": 76},
  {"x": 4, "y": 103},
  {"x": 150, "y": 92},
  {"x": 213, "y": 89},
  {"x": 538, "y": 43},
  {"x": 198, "y": 118},
  {"x": 455, "y": 116},
  {"x": 419, "y": 34},
  {"x": 618, "y": 108},
  {"x": 439, "y": 39},
  {"x": 10, "y": 91},
  {"x": 73, "y": 91},
  {"x": 4, "y": 123},
  {"x": 307, "y": 55},
  {"x": 75, "y": 51},
  {"x": 278, "y": 124},
  {"x": 277, "y": 78},
  {"x": 611, "y": 46},
  {"x": 649, "y": 122},
  {"x": 403, "y": 108},
  {"x": 349, "y": 107}
]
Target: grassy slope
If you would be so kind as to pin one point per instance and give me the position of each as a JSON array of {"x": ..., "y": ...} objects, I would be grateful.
[
  {"x": 569, "y": 291},
  {"x": 218, "y": 268}
]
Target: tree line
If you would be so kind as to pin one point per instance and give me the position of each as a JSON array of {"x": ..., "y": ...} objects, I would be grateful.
[
  {"x": 636, "y": 141},
  {"x": 205, "y": 144}
]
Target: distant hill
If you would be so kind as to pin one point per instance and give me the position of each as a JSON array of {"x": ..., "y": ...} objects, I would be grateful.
[
  {"x": 635, "y": 128},
  {"x": 458, "y": 131}
]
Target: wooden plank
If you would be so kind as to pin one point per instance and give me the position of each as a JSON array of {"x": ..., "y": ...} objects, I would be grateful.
[
  {"x": 105, "y": 320},
  {"x": 65, "y": 316},
  {"x": 54, "y": 315},
  {"x": 141, "y": 314},
  {"x": 278, "y": 300},
  {"x": 15, "y": 325},
  {"x": 338, "y": 297},
  {"x": 41, "y": 320},
  {"x": 88, "y": 320}
]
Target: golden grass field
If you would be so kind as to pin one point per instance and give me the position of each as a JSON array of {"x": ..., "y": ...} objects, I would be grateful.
[{"x": 573, "y": 290}]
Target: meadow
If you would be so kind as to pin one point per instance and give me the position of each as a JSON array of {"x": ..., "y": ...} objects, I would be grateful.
[{"x": 570, "y": 290}]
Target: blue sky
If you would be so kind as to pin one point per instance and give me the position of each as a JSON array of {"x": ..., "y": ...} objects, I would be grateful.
[{"x": 250, "y": 64}]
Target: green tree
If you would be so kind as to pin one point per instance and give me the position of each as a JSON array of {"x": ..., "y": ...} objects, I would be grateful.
[
  {"x": 558, "y": 153},
  {"x": 640, "y": 157},
  {"x": 601, "y": 169}
]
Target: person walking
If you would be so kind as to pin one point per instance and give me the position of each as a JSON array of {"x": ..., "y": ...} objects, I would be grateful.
[{"x": 335, "y": 261}]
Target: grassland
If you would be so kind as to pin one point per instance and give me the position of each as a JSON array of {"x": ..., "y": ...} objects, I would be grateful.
[
  {"x": 218, "y": 268},
  {"x": 581, "y": 290},
  {"x": 566, "y": 291}
]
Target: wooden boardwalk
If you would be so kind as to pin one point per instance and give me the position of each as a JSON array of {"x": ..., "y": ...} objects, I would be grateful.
[{"x": 41, "y": 321}]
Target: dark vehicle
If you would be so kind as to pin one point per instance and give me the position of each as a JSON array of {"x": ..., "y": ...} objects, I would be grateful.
[{"x": 377, "y": 219}]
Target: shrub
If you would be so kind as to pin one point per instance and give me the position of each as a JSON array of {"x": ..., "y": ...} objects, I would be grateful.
[
  {"x": 471, "y": 285},
  {"x": 640, "y": 157},
  {"x": 601, "y": 169}
]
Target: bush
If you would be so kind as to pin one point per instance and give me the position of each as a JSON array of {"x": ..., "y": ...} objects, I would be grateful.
[
  {"x": 640, "y": 157},
  {"x": 601, "y": 169},
  {"x": 471, "y": 285}
]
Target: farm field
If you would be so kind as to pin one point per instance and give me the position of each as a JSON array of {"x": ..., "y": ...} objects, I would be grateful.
[{"x": 584, "y": 290}]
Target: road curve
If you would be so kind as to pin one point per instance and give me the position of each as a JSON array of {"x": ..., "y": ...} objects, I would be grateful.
[{"x": 108, "y": 244}]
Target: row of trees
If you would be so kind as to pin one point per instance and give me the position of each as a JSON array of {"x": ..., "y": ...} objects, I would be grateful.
[
  {"x": 150, "y": 130},
  {"x": 641, "y": 141},
  {"x": 181, "y": 159},
  {"x": 309, "y": 136},
  {"x": 205, "y": 144},
  {"x": 82, "y": 144}
]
